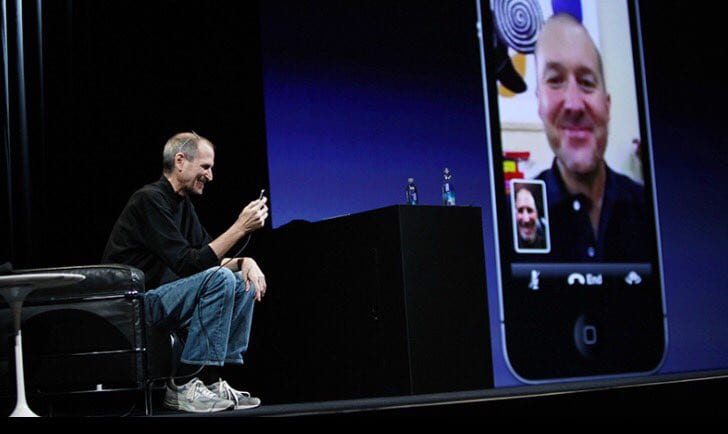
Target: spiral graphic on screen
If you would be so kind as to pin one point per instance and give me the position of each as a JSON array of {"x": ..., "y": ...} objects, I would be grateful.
[{"x": 518, "y": 23}]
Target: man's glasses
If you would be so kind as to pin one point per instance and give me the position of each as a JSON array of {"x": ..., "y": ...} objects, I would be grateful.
[
  {"x": 194, "y": 135},
  {"x": 188, "y": 156}
]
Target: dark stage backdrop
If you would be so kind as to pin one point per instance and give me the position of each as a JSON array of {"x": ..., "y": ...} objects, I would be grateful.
[
  {"x": 116, "y": 79},
  {"x": 120, "y": 78},
  {"x": 682, "y": 51}
]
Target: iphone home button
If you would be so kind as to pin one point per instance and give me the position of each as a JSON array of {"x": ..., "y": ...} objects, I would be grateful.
[{"x": 586, "y": 335}]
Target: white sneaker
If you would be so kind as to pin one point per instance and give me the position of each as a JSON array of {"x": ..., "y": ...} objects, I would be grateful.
[
  {"x": 241, "y": 399},
  {"x": 194, "y": 397}
]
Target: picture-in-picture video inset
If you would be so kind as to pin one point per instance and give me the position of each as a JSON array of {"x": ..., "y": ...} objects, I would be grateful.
[{"x": 530, "y": 213}]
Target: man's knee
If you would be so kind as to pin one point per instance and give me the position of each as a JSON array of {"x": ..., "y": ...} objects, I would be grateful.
[
  {"x": 222, "y": 281},
  {"x": 244, "y": 292}
]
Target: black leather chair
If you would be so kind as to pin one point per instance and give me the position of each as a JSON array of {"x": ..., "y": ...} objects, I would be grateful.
[{"x": 88, "y": 339}]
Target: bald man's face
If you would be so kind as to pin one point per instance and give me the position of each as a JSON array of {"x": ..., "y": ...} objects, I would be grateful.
[
  {"x": 572, "y": 100},
  {"x": 196, "y": 173}
]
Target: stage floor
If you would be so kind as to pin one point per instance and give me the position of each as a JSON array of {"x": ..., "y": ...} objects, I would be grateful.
[{"x": 678, "y": 397}]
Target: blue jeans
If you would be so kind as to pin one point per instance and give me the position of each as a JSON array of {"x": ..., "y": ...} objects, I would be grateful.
[{"x": 217, "y": 320}]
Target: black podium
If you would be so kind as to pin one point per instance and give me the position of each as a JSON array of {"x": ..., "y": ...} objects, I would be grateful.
[{"x": 387, "y": 302}]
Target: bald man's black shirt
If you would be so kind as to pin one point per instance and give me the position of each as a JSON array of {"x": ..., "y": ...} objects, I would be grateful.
[{"x": 159, "y": 232}]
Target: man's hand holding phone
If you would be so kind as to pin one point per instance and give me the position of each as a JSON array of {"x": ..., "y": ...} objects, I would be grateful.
[{"x": 254, "y": 214}]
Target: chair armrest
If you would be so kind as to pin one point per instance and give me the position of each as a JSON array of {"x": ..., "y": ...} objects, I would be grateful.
[{"x": 101, "y": 281}]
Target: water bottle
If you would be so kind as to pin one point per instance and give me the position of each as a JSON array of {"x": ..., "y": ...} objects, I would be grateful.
[
  {"x": 448, "y": 192},
  {"x": 411, "y": 192}
]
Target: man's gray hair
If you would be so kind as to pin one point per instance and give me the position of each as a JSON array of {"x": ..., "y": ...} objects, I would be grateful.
[{"x": 185, "y": 143}]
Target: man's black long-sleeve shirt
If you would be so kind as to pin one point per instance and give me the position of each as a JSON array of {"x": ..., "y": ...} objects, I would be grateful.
[
  {"x": 624, "y": 233},
  {"x": 159, "y": 232}
]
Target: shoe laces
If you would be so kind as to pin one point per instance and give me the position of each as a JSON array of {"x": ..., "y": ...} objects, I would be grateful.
[
  {"x": 228, "y": 392},
  {"x": 198, "y": 388}
]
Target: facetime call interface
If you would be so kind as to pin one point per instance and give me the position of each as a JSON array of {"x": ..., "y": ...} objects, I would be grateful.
[{"x": 580, "y": 289}]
